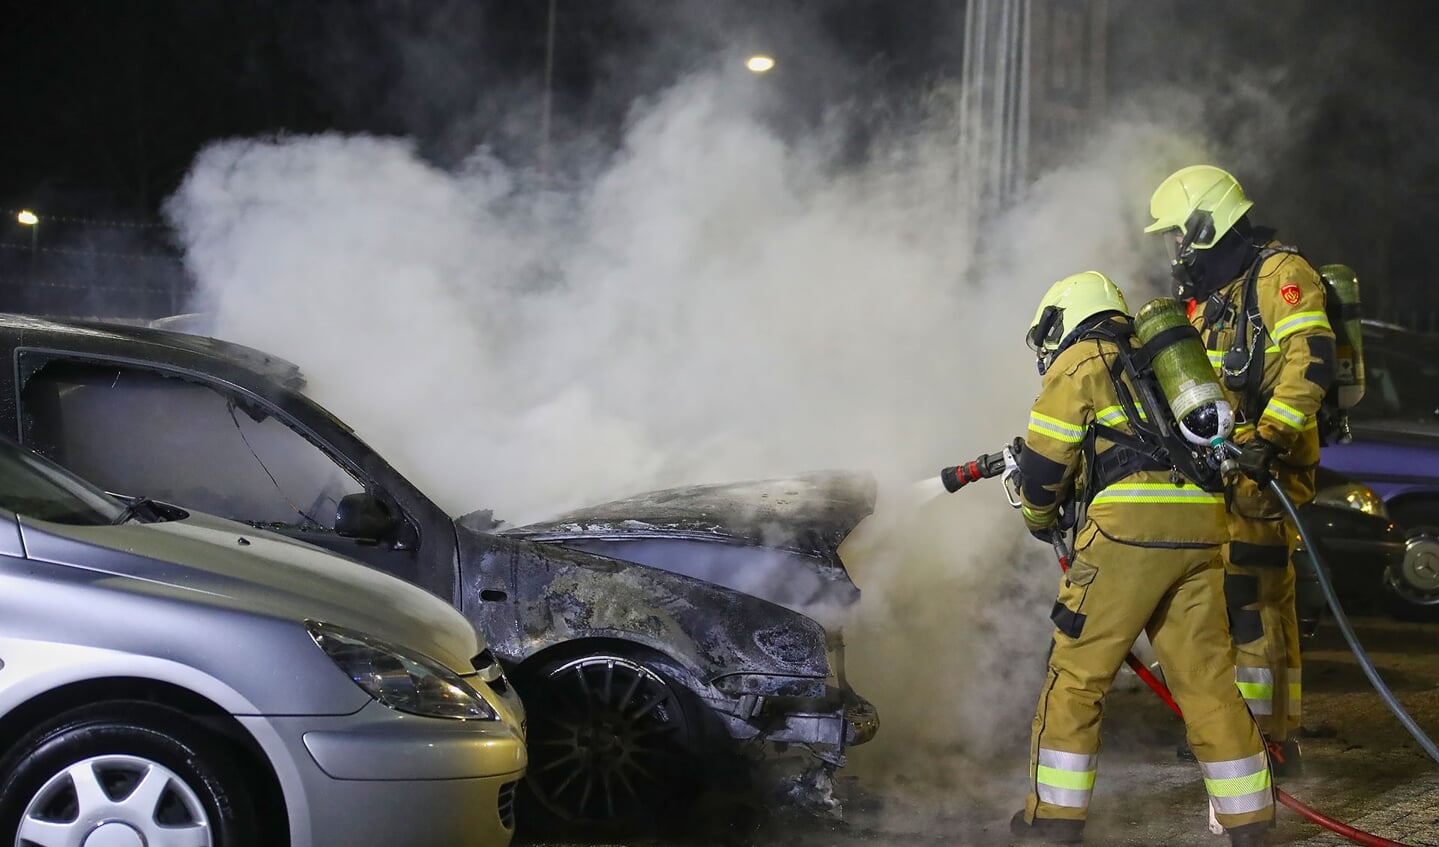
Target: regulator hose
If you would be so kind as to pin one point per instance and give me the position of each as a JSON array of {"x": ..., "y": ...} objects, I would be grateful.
[{"x": 1342, "y": 621}]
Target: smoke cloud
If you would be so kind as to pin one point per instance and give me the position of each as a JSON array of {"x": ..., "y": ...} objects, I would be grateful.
[{"x": 716, "y": 300}]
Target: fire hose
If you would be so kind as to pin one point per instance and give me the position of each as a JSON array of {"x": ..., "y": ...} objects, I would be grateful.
[{"x": 1003, "y": 462}]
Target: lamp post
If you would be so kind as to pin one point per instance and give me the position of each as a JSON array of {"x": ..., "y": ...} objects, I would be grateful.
[{"x": 32, "y": 220}]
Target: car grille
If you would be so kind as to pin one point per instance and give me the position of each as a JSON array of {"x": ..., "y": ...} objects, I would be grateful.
[{"x": 507, "y": 805}]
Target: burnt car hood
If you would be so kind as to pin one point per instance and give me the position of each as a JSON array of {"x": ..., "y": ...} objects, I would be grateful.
[
  {"x": 777, "y": 539},
  {"x": 809, "y": 514}
]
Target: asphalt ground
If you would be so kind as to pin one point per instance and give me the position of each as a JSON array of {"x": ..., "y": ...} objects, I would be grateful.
[{"x": 1361, "y": 767}]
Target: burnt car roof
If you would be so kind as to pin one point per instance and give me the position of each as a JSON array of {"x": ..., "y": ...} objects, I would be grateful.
[{"x": 266, "y": 365}]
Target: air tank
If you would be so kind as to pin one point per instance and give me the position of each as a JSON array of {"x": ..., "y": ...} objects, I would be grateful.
[
  {"x": 1182, "y": 369},
  {"x": 1349, "y": 351}
]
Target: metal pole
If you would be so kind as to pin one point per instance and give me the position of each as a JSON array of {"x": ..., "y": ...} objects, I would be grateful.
[{"x": 548, "y": 97}]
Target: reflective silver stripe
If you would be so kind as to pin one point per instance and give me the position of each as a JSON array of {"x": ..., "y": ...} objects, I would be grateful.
[
  {"x": 1235, "y": 767},
  {"x": 1298, "y": 321},
  {"x": 1238, "y": 786},
  {"x": 1065, "y": 779},
  {"x": 1256, "y": 686},
  {"x": 1067, "y": 797},
  {"x": 1055, "y": 428},
  {"x": 1061, "y": 761},
  {"x": 1255, "y": 801}
]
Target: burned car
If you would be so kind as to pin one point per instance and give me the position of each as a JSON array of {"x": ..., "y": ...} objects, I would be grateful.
[{"x": 651, "y": 639}]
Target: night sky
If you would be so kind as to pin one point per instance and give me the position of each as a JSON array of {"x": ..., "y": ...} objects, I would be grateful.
[{"x": 107, "y": 103}]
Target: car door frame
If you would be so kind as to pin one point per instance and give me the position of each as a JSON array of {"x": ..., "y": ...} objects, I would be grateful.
[{"x": 437, "y": 566}]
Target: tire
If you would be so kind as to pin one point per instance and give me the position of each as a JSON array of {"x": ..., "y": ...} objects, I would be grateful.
[
  {"x": 1411, "y": 593},
  {"x": 125, "y": 766},
  {"x": 614, "y": 742}
]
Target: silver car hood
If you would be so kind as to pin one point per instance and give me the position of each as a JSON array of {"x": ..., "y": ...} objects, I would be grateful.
[{"x": 232, "y": 565}]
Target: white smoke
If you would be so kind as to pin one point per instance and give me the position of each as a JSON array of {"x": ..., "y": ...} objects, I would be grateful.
[{"x": 715, "y": 303}]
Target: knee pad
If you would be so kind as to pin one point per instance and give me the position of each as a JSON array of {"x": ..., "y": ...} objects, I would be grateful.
[{"x": 1245, "y": 625}]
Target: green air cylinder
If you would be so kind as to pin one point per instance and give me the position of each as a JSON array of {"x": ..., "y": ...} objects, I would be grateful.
[
  {"x": 1184, "y": 374},
  {"x": 1349, "y": 345}
]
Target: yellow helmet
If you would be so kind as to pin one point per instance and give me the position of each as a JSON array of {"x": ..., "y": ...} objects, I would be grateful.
[
  {"x": 1069, "y": 303},
  {"x": 1201, "y": 202}
]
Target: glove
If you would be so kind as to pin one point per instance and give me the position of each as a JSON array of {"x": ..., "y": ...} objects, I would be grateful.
[
  {"x": 1044, "y": 533},
  {"x": 1256, "y": 459}
]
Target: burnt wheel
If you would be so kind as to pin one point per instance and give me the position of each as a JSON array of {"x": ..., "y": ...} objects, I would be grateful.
[{"x": 611, "y": 741}]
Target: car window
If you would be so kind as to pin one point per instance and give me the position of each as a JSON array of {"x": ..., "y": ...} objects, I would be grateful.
[
  {"x": 140, "y": 433},
  {"x": 1398, "y": 385},
  {"x": 30, "y": 486}
]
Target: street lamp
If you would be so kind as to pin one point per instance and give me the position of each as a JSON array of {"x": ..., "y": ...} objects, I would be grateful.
[
  {"x": 32, "y": 220},
  {"x": 759, "y": 63}
]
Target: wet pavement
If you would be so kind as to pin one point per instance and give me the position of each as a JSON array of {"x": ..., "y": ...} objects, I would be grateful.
[{"x": 1361, "y": 767}]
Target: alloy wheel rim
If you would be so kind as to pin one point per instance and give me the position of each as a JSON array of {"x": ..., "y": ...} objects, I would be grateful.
[
  {"x": 606, "y": 741},
  {"x": 1421, "y": 565},
  {"x": 114, "y": 801}
]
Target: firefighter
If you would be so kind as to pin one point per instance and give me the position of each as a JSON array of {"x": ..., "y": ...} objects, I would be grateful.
[
  {"x": 1275, "y": 375},
  {"x": 1147, "y": 558}
]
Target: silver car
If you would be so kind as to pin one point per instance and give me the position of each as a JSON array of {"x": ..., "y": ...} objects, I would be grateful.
[{"x": 172, "y": 679}]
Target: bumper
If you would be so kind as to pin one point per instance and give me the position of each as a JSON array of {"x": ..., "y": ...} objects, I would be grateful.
[
  {"x": 381, "y": 777},
  {"x": 1357, "y": 559},
  {"x": 826, "y": 725}
]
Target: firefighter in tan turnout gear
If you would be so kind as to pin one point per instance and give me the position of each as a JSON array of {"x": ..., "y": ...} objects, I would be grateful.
[
  {"x": 1147, "y": 559},
  {"x": 1260, "y": 309}
]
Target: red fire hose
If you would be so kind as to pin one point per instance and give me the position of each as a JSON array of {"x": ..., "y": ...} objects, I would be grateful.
[{"x": 1061, "y": 550}]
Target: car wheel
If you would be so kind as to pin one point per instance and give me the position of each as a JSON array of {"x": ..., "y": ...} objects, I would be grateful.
[
  {"x": 123, "y": 774},
  {"x": 612, "y": 741},
  {"x": 1411, "y": 591}
]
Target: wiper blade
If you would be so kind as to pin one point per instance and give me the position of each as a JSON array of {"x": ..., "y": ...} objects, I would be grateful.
[{"x": 134, "y": 509}]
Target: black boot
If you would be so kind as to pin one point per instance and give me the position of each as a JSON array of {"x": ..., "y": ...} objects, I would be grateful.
[
  {"x": 1046, "y": 830},
  {"x": 1285, "y": 757},
  {"x": 1249, "y": 835}
]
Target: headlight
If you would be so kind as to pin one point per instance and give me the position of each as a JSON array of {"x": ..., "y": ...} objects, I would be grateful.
[
  {"x": 404, "y": 681},
  {"x": 1355, "y": 496}
]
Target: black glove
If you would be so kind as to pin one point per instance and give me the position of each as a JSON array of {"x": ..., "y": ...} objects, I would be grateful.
[
  {"x": 1068, "y": 514},
  {"x": 1256, "y": 459},
  {"x": 1044, "y": 533}
]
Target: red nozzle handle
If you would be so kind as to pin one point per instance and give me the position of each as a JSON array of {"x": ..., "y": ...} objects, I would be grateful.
[{"x": 984, "y": 467}]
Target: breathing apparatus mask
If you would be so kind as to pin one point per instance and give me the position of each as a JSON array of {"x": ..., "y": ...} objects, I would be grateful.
[
  {"x": 1048, "y": 337},
  {"x": 1199, "y": 263}
]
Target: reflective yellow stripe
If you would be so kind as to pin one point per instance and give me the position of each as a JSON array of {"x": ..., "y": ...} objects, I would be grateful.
[
  {"x": 1216, "y": 358},
  {"x": 1073, "y": 780},
  {"x": 1298, "y": 321},
  {"x": 1236, "y": 786},
  {"x": 1286, "y": 414},
  {"x": 1111, "y": 415},
  {"x": 1256, "y": 690},
  {"x": 1273, "y": 348},
  {"x": 1156, "y": 492},
  {"x": 1034, "y": 516},
  {"x": 1055, "y": 428}
]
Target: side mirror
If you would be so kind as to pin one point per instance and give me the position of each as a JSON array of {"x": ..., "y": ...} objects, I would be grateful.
[{"x": 363, "y": 516}]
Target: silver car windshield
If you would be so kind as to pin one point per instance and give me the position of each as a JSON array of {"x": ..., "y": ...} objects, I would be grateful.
[{"x": 34, "y": 487}]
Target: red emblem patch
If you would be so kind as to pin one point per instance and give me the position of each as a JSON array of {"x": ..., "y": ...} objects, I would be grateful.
[{"x": 1290, "y": 293}]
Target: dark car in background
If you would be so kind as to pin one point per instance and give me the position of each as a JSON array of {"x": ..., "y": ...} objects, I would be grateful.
[
  {"x": 653, "y": 640},
  {"x": 1359, "y": 544},
  {"x": 1395, "y": 450}
]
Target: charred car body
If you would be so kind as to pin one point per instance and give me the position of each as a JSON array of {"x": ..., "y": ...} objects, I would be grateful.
[{"x": 644, "y": 635}]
